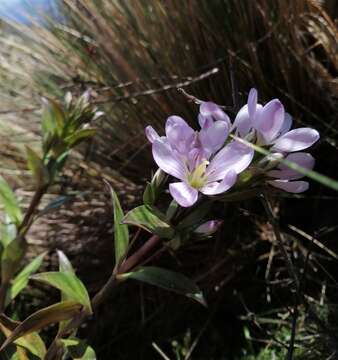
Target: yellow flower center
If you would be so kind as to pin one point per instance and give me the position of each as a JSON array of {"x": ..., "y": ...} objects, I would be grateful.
[{"x": 197, "y": 178}]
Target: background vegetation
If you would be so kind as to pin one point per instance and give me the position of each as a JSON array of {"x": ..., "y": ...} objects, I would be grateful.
[{"x": 134, "y": 55}]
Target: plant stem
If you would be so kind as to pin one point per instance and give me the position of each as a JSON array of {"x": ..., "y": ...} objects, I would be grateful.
[
  {"x": 28, "y": 218},
  {"x": 129, "y": 264},
  {"x": 136, "y": 258}
]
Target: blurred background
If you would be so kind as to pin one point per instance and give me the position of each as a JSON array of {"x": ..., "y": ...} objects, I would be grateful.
[{"x": 134, "y": 55}]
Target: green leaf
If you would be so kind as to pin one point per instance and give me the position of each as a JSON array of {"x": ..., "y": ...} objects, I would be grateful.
[
  {"x": 21, "y": 280},
  {"x": 68, "y": 283},
  {"x": 172, "y": 210},
  {"x": 64, "y": 263},
  {"x": 168, "y": 280},
  {"x": 153, "y": 188},
  {"x": 32, "y": 342},
  {"x": 79, "y": 349},
  {"x": 149, "y": 195},
  {"x": 150, "y": 219},
  {"x": 53, "y": 118},
  {"x": 9, "y": 201},
  {"x": 11, "y": 258},
  {"x": 64, "y": 266},
  {"x": 56, "y": 203},
  {"x": 36, "y": 166},
  {"x": 121, "y": 233},
  {"x": 8, "y": 231},
  {"x": 79, "y": 136},
  {"x": 52, "y": 314},
  {"x": 56, "y": 165}
]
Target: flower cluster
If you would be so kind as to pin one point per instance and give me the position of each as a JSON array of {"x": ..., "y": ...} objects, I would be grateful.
[{"x": 208, "y": 161}]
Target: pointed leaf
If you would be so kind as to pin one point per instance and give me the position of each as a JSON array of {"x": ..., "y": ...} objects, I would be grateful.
[
  {"x": 9, "y": 202},
  {"x": 68, "y": 283},
  {"x": 149, "y": 195},
  {"x": 64, "y": 263},
  {"x": 168, "y": 280},
  {"x": 32, "y": 342},
  {"x": 36, "y": 166},
  {"x": 11, "y": 258},
  {"x": 21, "y": 280},
  {"x": 121, "y": 233},
  {"x": 53, "y": 118},
  {"x": 78, "y": 349},
  {"x": 64, "y": 266},
  {"x": 79, "y": 136},
  {"x": 58, "y": 202},
  {"x": 8, "y": 231},
  {"x": 150, "y": 219},
  {"x": 52, "y": 314}
]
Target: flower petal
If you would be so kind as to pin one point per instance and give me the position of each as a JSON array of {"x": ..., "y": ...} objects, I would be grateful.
[
  {"x": 242, "y": 121},
  {"x": 286, "y": 124},
  {"x": 205, "y": 121},
  {"x": 290, "y": 186},
  {"x": 184, "y": 194},
  {"x": 270, "y": 120},
  {"x": 151, "y": 134},
  {"x": 252, "y": 102},
  {"x": 179, "y": 133},
  {"x": 215, "y": 188},
  {"x": 167, "y": 161},
  {"x": 213, "y": 137},
  {"x": 304, "y": 160},
  {"x": 211, "y": 110},
  {"x": 296, "y": 140},
  {"x": 234, "y": 156}
]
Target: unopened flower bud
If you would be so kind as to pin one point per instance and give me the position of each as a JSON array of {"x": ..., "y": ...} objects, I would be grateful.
[
  {"x": 158, "y": 178},
  {"x": 209, "y": 227}
]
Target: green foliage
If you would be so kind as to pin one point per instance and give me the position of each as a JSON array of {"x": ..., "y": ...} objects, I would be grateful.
[
  {"x": 36, "y": 166},
  {"x": 64, "y": 266},
  {"x": 21, "y": 280},
  {"x": 168, "y": 280},
  {"x": 153, "y": 188},
  {"x": 68, "y": 283},
  {"x": 64, "y": 263},
  {"x": 78, "y": 136},
  {"x": 121, "y": 233},
  {"x": 40, "y": 319},
  {"x": 32, "y": 341},
  {"x": 53, "y": 121},
  {"x": 78, "y": 349},
  {"x": 64, "y": 127},
  {"x": 9, "y": 202},
  {"x": 8, "y": 231},
  {"x": 11, "y": 257},
  {"x": 151, "y": 219}
]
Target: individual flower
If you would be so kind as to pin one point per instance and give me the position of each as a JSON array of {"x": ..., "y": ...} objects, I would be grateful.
[
  {"x": 269, "y": 126},
  {"x": 272, "y": 125},
  {"x": 199, "y": 159},
  {"x": 284, "y": 176}
]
